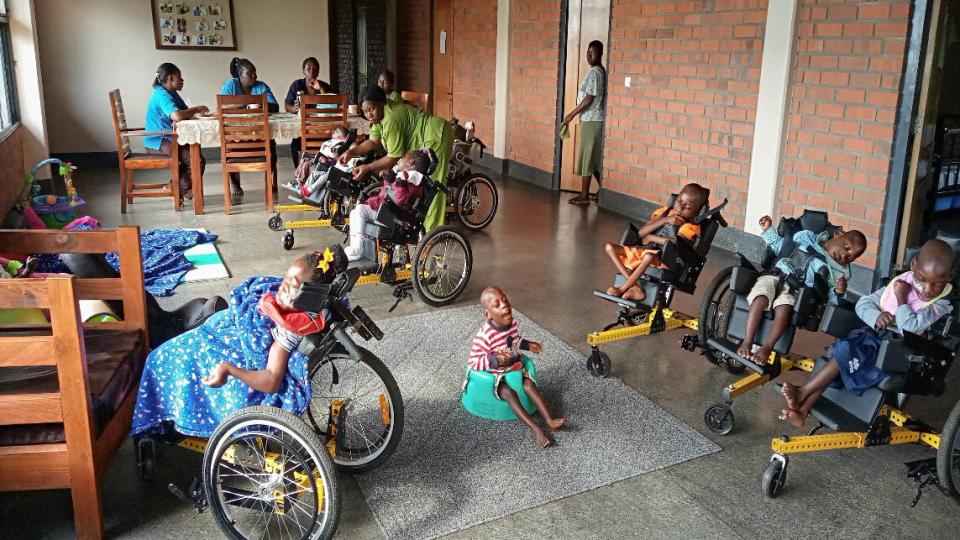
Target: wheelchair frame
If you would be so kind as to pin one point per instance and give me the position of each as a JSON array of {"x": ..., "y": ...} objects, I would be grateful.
[{"x": 685, "y": 261}]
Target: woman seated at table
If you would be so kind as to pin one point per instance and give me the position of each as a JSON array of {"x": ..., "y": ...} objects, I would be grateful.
[
  {"x": 397, "y": 128},
  {"x": 309, "y": 85},
  {"x": 164, "y": 109},
  {"x": 243, "y": 82},
  {"x": 388, "y": 81}
]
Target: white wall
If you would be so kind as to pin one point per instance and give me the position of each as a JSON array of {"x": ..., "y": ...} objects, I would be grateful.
[
  {"x": 23, "y": 40},
  {"x": 89, "y": 47}
]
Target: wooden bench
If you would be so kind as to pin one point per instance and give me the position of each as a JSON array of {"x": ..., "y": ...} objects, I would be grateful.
[{"x": 67, "y": 389}]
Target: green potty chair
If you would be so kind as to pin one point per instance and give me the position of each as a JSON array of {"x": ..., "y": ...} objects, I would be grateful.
[{"x": 478, "y": 398}]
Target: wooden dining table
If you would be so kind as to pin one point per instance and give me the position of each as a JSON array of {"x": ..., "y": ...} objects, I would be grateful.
[{"x": 205, "y": 131}]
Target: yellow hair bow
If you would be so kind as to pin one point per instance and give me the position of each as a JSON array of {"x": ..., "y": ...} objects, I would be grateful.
[{"x": 324, "y": 262}]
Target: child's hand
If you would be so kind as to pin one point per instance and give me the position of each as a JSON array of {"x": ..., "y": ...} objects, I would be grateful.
[
  {"x": 534, "y": 347},
  {"x": 217, "y": 376},
  {"x": 884, "y": 320},
  {"x": 901, "y": 289},
  {"x": 765, "y": 222},
  {"x": 841, "y": 286},
  {"x": 674, "y": 220}
]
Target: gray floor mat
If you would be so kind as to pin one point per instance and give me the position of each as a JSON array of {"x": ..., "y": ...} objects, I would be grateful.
[{"x": 453, "y": 470}]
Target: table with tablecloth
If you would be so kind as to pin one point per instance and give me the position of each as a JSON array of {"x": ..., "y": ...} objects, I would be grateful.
[{"x": 205, "y": 131}]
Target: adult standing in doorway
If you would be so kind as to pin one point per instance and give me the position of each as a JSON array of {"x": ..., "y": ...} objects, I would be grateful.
[
  {"x": 591, "y": 106},
  {"x": 309, "y": 85},
  {"x": 397, "y": 128}
]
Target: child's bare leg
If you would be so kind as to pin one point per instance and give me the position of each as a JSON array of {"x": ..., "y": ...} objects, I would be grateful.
[
  {"x": 781, "y": 318},
  {"x": 507, "y": 394},
  {"x": 629, "y": 290},
  {"x": 754, "y": 316},
  {"x": 801, "y": 399},
  {"x": 615, "y": 251},
  {"x": 553, "y": 424}
]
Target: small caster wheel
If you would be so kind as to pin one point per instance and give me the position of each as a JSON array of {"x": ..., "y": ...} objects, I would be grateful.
[
  {"x": 774, "y": 476},
  {"x": 275, "y": 223},
  {"x": 733, "y": 365},
  {"x": 688, "y": 343},
  {"x": 146, "y": 452},
  {"x": 598, "y": 364},
  {"x": 288, "y": 240},
  {"x": 719, "y": 418}
]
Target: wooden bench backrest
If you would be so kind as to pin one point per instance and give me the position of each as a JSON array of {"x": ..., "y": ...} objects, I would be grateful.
[{"x": 320, "y": 115}]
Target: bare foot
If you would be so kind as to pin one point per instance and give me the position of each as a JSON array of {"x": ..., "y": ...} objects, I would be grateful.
[
  {"x": 789, "y": 392},
  {"x": 541, "y": 438},
  {"x": 762, "y": 355},
  {"x": 745, "y": 350},
  {"x": 556, "y": 424},
  {"x": 613, "y": 291},
  {"x": 795, "y": 417},
  {"x": 579, "y": 200},
  {"x": 635, "y": 293}
]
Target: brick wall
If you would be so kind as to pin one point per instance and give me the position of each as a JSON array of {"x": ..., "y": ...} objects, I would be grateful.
[
  {"x": 534, "y": 58},
  {"x": 343, "y": 44},
  {"x": 689, "y": 114},
  {"x": 413, "y": 45},
  {"x": 842, "y": 111},
  {"x": 475, "y": 63}
]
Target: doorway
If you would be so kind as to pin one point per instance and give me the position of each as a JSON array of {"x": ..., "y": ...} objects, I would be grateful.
[
  {"x": 442, "y": 52},
  {"x": 587, "y": 20},
  {"x": 932, "y": 201}
]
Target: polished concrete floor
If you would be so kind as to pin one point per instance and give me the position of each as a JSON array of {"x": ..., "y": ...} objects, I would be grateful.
[{"x": 547, "y": 256}]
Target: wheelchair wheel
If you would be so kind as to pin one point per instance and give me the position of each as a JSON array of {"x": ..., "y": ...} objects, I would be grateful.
[
  {"x": 598, "y": 364},
  {"x": 948, "y": 455},
  {"x": 369, "y": 421},
  {"x": 774, "y": 476},
  {"x": 275, "y": 223},
  {"x": 477, "y": 202},
  {"x": 146, "y": 452},
  {"x": 288, "y": 240},
  {"x": 266, "y": 474},
  {"x": 714, "y": 319},
  {"x": 441, "y": 266},
  {"x": 719, "y": 418}
]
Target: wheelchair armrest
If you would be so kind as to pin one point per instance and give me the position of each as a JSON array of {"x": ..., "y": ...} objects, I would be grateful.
[
  {"x": 742, "y": 279},
  {"x": 839, "y": 321},
  {"x": 630, "y": 236}
]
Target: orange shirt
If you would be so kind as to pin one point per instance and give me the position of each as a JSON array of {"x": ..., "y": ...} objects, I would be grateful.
[{"x": 687, "y": 230}]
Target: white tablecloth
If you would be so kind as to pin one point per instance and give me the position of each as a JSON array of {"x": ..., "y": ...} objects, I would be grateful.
[{"x": 283, "y": 127}]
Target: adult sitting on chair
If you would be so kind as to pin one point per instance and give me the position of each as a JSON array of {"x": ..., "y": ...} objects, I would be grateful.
[
  {"x": 164, "y": 109},
  {"x": 243, "y": 82},
  {"x": 309, "y": 85},
  {"x": 397, "y": 128}
]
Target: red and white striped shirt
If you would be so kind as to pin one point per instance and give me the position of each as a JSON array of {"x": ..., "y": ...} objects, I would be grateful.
[{"x": 489, "y": 339}]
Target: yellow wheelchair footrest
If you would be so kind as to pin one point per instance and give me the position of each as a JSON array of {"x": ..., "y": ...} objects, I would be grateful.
[
  {"x": 671, "y": 321},
  {"x": 837, "y": 441}
]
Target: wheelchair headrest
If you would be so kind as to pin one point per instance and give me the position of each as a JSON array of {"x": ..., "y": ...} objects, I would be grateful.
[
  {"x": 705, "y": 211},
  {"x": 951, "y": 240}
]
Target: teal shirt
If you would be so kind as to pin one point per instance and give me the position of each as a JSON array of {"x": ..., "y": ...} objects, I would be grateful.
[{"x": 232, "y": 87}]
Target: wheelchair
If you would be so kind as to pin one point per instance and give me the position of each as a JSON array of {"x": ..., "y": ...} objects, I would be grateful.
[
  {"x": 723, "y": 319},
  {"x": 916, "y": 365},
  {"x": 267, "y": 472},
  {"x": 683, "y": 261},
  {"x": 471, "y": 197}
]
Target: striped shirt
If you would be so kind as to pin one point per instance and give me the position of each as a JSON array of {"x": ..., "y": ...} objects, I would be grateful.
[{"x": 489, "y": 339}]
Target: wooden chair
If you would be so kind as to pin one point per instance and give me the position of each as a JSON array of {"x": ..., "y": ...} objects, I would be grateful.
[
  {"x": 69, "y": 403},
  {"x": 419, "y": 100},
  {"x": 131, "y": 161},
  {"x": 245, "y": 141},
  {"x": 320, "y": 115}
]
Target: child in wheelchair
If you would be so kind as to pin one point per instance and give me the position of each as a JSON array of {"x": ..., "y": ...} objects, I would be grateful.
[
  {"x": 242, "y": 356},
  {"x": 664, "y": 225},
  {"x": 813, "y": 255},
  {"x": 496, "y": 348},
  {"x": 911, "y": 302},
  {"x": 402, "y": 185},
  {"x": 311, "y": 174}
]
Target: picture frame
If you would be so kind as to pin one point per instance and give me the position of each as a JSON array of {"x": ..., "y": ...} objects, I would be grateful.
[{"x": 194, "y": 25}]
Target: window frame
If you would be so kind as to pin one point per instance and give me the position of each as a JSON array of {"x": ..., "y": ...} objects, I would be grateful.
[{"x": 7, "y": 78}]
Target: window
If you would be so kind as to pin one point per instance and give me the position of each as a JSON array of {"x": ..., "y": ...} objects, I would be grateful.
[
  {"x": 362, "y": 79},
  {"x": 8, "y": 91}
]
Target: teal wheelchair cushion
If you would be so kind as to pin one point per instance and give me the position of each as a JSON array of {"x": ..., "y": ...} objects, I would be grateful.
[{"x": 478, "y": 394}]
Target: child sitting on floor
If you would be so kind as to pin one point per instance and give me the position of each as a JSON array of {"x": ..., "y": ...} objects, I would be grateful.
[
  {"x": 242, "y": 356},
  {"x": 913, "y": 301},
  {"x": 403, "y": 185},
  {"x": 496, "y": 348},
  {"x": 686, "y": 207},
  {"x": 814, "y": 254}
]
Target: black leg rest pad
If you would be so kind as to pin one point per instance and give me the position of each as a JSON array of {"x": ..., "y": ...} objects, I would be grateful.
[
  {"x": 729, "y": 348},
  {"x": 840, "y": 410},
  {"x": 114, "y": 363},
  {"x": 839, "y": 321},
  {"x": 742, "y": 280},
  {"x": 738, "y": 327}
]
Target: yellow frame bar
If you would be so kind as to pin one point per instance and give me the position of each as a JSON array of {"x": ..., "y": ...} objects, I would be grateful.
[
  {"x": 671, "y": 320},
  {"x": 278, "y": 208},
  {"x": 310, "y": 223},
  {"x": 748, "y": 383},
  {"x": 402, "y": 275},
  {"x": 856, "y": 439}
]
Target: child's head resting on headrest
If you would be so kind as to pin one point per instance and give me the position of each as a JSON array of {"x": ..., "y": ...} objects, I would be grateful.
[
  {"x": 690, "y": 201},
  {"x": 846, "y": 246},
  {"x": 933, "y": 268},
  {"x": 318, "y": 267},
  {"x": 422, "y": 160}
]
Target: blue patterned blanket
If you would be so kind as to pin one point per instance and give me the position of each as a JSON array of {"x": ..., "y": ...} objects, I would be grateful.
[{"x": 170, "y": 388}]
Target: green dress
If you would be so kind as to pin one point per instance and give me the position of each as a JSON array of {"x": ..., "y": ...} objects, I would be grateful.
[{"x": 405, "y": 128}]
